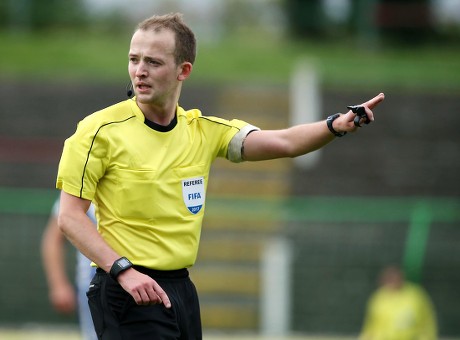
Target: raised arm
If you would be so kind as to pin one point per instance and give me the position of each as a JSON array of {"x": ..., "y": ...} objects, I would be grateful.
[{"x": 301, "y": 139}]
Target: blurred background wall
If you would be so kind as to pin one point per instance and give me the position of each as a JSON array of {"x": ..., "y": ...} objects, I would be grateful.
[{"x": 389, "y": 194}]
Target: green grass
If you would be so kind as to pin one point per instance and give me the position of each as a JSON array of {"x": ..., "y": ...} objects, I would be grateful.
[
  {"x": 101, "y": 57},
  {"x": 57, "y": 56},
  {"x": 425, "y": 68},
  {"x": 50, "y": 334}
]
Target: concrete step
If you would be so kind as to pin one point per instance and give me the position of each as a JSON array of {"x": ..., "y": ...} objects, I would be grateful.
[
  {"x": 229, "y": 295},
  {"x": 226, "y": 280},
  {"x": 227, "y": 273},
  {"x": 230, "y": 249},
  {"x": 230, "y": 316}
]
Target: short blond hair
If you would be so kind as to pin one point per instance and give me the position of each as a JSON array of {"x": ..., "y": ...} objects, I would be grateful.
[{"x": 185, "y": 44}]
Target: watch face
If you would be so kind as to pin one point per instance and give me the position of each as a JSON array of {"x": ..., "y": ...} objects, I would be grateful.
[{"x": 123, "y": 263}]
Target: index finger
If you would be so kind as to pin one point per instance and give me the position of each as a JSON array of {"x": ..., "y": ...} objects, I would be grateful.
[
  {"x": 374, "y": 101},
  {"x": 162, "y": 294}
]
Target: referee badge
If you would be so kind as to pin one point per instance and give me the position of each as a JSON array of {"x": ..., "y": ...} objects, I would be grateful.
[{"x": 193, "y": 194}]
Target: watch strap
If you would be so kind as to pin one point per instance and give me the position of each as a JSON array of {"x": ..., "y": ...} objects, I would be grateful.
[{"x": 329, "y": 122}]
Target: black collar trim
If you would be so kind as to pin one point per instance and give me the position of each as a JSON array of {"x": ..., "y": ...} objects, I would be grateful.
[{"x": 161, "y": 128}]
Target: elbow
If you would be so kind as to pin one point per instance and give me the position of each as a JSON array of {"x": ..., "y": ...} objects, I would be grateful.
[
  {"x": 288, "y": 150},
  {"x": 293, "y": 152},
  {"x": 63, "y": 222}
]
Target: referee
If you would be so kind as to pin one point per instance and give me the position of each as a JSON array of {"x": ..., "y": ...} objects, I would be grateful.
[{"x": 145, "y": 163}]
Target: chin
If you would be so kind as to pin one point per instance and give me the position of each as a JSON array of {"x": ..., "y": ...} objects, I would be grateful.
[{"x": 142, "y": 97}]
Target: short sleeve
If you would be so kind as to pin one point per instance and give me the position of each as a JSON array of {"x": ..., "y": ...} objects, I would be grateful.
[{"x": 83, "y": 162}]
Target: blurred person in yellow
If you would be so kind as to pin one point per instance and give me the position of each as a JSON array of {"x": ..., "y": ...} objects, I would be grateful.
[
  {"x": 399, "y": 310},
  {"x": 64, "y": 296}
]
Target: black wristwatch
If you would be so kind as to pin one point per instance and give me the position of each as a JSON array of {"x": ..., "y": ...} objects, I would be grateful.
[
  {"x": 329, "y": 121},
  {"x": 119, "y": 266}
]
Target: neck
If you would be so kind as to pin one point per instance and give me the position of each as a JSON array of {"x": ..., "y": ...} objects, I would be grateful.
[
  {"x": 162, "y": 115},
  {"x": 161, "y": 112}
]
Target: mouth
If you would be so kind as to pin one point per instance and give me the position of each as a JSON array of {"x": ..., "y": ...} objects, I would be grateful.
[{"x": 143, "y": 88}]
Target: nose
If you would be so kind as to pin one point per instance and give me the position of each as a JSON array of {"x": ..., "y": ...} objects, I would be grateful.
[{"x": 141, "y": 70}]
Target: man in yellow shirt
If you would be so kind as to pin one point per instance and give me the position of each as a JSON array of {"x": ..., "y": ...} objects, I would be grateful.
[
  {"x": 145, "y": 164},
  {"x": 399, "y": 310}
]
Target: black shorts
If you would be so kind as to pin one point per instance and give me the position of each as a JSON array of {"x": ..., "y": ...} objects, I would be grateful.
[{"x": 116, "y": 316}]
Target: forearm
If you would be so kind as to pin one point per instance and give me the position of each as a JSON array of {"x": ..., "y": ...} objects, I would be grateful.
[
  {"x": 302, "y": 139},
  {"x": 53, "y": 255},
  {"x": 82, "y": 233},
  {"x": 292, "y": 142},
  {"x": 306, "y": 138}
]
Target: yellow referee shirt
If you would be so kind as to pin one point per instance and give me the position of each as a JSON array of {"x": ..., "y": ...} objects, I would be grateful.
[
  {"x": 403, "y": 314},
  {"x": 148, "y": 185}
]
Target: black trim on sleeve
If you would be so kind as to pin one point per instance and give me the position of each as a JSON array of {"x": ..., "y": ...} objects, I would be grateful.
[{"x": 90, "y": 148}]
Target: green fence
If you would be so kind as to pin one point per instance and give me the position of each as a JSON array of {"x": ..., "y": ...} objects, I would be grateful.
[{"x": 340, "y": 244}]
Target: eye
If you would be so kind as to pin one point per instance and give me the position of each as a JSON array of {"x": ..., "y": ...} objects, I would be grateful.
[{"x": 154, "y": 62}]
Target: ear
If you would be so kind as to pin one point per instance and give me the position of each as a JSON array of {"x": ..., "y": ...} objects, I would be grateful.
[{"x": 185, "y": 71}]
